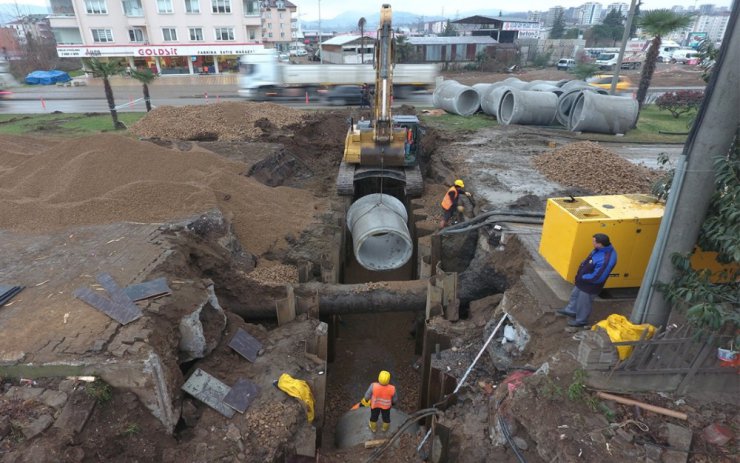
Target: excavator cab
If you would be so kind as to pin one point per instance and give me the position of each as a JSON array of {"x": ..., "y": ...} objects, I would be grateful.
[{"x": 388, "y": 146}]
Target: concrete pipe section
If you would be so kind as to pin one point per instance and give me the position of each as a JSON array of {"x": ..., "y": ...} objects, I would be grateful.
[
  {"x": 380, "y": 235},
  {"x": 527, "y": 108},
  {"x": 546, "y": 88},
  {"x": 456, "y": 98},
  {"x": 593, "y": 112},
  {"x": 492, "y": 100},
  {"x": 513, "y": 82},
  {"x": 482, "y": 89},
  {"x": 352, "y": 427},
  {"x": 568, "y": 98}
]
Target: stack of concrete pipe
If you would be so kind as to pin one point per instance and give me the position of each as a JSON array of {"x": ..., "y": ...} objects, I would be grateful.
[
  {"x": 513, "y": 101},
  {"x": 456, "y": 98}
]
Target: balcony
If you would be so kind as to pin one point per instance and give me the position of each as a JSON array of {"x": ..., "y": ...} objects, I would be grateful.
[
  {"x": 56, "y": 22},
  {"x": 62, "y": 8}
]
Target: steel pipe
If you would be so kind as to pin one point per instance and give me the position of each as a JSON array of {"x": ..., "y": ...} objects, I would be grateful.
[
  {"x": 527, "y": 108},
  {"x": 456, "y": 98},
  {"x": 603, "y": 113},
  {"x": 380, "y": 236}
]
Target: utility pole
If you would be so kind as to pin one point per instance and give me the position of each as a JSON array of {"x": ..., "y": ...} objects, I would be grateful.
[
  {"x": 623, "y": 46},
  {"x": 321, "y": 52},
  {"x": 694, "y": 181}
]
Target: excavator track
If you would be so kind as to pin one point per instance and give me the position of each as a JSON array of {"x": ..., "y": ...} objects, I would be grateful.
[{"x": 348, "y": 173}]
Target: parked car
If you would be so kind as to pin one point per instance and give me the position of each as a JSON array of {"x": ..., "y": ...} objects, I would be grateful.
[
  {"x": 566, "y": 64},
  {"x": 605, "y": 81},
  {"x": 298, "y": 52},
  {"x": 343, "y": 95},
  {"x": 685, "y": 56}
]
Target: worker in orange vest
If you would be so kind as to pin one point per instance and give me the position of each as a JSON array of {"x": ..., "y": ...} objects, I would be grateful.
[
  {"x": 380, "y": 397},
  {"x": 449, "y": 202}
]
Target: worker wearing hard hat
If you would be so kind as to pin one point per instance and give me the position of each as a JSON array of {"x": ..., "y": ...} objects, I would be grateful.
[
  {"x": 449, "y": 202},
  {"x": 380, "y": 397}
]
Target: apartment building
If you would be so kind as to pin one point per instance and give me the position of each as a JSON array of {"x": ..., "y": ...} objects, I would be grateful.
[
  {"x": 166, "y": 36},
  {"x": 278, "y": 24}
]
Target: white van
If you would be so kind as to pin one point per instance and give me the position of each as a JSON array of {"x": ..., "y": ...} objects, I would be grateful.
[{"x": 685, "y": 56}]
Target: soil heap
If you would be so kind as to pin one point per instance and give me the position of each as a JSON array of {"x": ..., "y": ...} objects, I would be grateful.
[
  {"x": 592, "y": 167},
  {"x": 103, "y": 179},
  {"x": 220, "y": 121}
]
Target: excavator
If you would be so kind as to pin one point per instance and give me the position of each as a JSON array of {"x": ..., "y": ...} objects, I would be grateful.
[{"x": 386, "y": 147}]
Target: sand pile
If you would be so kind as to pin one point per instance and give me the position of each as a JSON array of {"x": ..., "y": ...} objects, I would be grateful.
[
  {"x": 589, "y": 166},
  {"x": 109, "y": 178},
  {"x": 216, "y": 121}
]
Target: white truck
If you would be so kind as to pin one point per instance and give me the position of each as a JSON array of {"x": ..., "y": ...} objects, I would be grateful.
[
  {"x": 262, "y": 77},
  {"x": 608, "y": 60}
]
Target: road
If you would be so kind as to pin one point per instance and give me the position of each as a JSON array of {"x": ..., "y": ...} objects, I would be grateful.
[{"x": 40, "y": 100}]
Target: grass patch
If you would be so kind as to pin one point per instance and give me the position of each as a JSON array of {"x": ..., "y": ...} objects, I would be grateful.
[
  {"x": 70, "y": 124},
  {"x": 100, "y": 391},
  {"x": 651, "y": 122},
  {"x": 131, "y": 429},
  {"x": 457, "y": 123}
]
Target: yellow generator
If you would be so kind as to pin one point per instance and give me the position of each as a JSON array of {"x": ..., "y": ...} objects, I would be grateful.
[{"x": 630, "y": 221}]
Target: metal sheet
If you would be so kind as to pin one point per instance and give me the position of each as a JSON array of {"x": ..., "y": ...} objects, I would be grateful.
[
  {"x": 6, "y": 296},
  {"x": 117, "y": 312},
  {"x": 148, "y": 289},
  {"x": 246, "y": 345},
  {"x": 116, "y": 292},
  {"x": 241, "y": 395},
  {"x": 208, "y": 390}
]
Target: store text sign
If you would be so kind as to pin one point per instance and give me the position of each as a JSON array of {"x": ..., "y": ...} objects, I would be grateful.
[{"x": 84, "y": 51}]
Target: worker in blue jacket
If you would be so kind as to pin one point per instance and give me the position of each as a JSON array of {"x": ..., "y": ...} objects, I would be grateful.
[{"x": 590, "y": 280}]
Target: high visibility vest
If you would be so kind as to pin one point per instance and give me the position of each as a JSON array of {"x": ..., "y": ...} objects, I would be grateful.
[
  {"x": 382, "y": 396},
  {"x": 409, "y": 136},
  {"x": 447, "y": 202}
]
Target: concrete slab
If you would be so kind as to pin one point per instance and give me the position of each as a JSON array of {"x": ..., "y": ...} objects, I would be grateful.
[{"x": 47, "y": 332}]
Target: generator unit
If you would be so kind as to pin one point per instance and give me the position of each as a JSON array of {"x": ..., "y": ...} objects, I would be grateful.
[{"x": 630, "y": 221}]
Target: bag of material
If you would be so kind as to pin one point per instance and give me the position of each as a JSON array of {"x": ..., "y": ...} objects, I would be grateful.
[
  {"x": 620, "y": 329},
  {"x": 299, "y": 389}
]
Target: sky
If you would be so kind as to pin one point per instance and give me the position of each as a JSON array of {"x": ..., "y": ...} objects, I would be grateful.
[{"x": 309, "y": 9}]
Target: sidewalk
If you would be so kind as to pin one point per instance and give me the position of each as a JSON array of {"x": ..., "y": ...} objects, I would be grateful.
[{"x": 178, "y": 86}]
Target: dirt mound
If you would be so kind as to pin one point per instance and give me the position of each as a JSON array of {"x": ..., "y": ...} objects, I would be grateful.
[
  {"x": 220, "y": 121},
  {"x": 109, "y": 178},
  {"x": 592, "y": 167}
]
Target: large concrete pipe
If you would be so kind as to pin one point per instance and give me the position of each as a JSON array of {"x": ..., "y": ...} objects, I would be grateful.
[
  {"x": 380, "y": 236},
  {"x": 593, "y": 112},
  {"x": 527, "y": 108},
  {"x": 482, "y": 88},
  {"x": 545, "y": 88},
  {"x": 456, "y": 98},
  {"x": 491, "y": 100},
  {"x": 568, "y": 98},
  {"x": 352, "y": 428},
  {"x": 513, "y": 82}
]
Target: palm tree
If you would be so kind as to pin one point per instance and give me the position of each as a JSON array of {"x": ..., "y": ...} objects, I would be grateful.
[
  {"x": 146, "y": 77},
  {"x": 361, "y": 25},
  {"x": 105, "y": 69},
  {"x": 657, "y": 23}
]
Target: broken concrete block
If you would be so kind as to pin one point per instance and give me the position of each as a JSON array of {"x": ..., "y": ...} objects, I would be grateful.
[
  {"x": 54, "y": 399},
  {"x": 37, "y": 426},
  {"x": 76, "y": 412},
  {"x": 679, "y": 439},
  {"x": 4, "y": 426},
  {"x": 24, "y": 393},
  {"x": 201, "y": 330},
  {"x": 717, "y": 434}
]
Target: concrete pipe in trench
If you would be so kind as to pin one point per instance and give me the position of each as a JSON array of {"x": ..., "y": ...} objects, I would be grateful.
[
  {"x": 492, "y": 100},
  {"x": 456, "y": 98},
  {"x": 527, "y": 108},
  {"x": 593, "y": 112},
  {"x": 568, "y": 98},
  {"x": 380, "y": 236},
  {"x": 352, "y": 429}
]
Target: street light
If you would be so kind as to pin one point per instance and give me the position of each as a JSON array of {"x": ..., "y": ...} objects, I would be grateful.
[{"x": 321, "y": 52}]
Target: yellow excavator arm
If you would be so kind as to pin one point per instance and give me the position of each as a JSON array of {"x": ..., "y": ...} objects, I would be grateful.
[{"x": 384, "y": 61}]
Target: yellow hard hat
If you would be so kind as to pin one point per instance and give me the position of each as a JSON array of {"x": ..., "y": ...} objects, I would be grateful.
[
  {"x": 384, "y": 378},
  {"x": 459, "y": 183}
]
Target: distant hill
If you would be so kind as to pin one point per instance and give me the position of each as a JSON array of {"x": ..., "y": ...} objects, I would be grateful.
[{"x": 11, "y": 11}]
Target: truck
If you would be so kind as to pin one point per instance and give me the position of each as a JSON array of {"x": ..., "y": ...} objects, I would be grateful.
[
  {"x": 262, "y": 77},
  {"x": 608, "y": 60}
]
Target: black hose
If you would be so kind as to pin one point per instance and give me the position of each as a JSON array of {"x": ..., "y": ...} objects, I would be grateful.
[
  {"x": 470, "y": 226},
  {"x": 414, "y": 417},
  {"x": 507, "y": 436}
]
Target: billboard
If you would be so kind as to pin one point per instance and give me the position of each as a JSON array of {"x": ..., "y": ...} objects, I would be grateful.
[{"x": 695, "y": 38}]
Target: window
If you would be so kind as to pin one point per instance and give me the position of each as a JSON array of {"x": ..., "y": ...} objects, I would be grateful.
[
  {"x": 251, "y": 33},
  {"x": 102, "y": 35},
  {"x": 269, "y": 25},
  {"x": 282, "y": 35},
  {"x": 221, "y": 6},
  {"x": 270, "y": 35},
  {"x": 96, "y": 7},
  {"x": 135, "y": 35},
  {"x": 132, "y": 8},
  {"x": 251, "y": 7},
  {"x": 169, "y": 34},
  {"x": 224, "y": 33},
  {"x": 196, "y": 34},
  {"x": 164, "y": 6},
  {"x": 192, "y": 6}
]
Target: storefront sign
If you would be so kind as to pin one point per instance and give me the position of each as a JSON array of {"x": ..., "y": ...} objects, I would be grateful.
[
  {"x": 527, "y": 29},
  {"x": 89, "y": 51}
]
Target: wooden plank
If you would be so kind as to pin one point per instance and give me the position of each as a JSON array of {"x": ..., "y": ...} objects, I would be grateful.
[
  {"x": 285, "y": 308},
  {"x": 434, "y": 300},
  {"x": 371, "y": 444}
]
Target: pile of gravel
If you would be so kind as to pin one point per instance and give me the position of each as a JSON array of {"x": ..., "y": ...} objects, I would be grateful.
[
  {"x": 219, "y": 121},
  {"x": 591, "y": 167}
]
